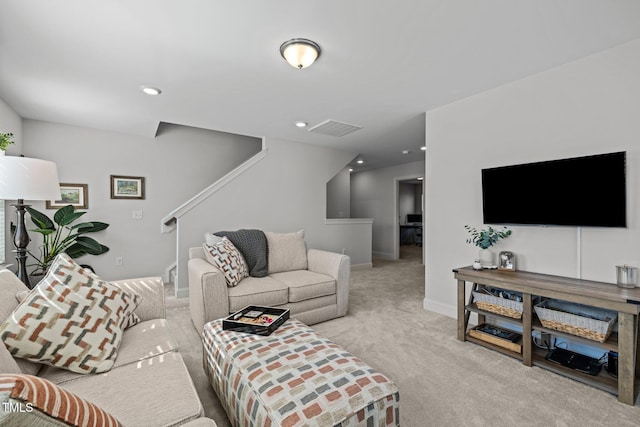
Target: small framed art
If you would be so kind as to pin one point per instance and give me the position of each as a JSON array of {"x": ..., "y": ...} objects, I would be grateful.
[
  {"x": 507, "y": 261},
  {"x": 127, "y": 187},
  {"x": 75, "y": 195}
]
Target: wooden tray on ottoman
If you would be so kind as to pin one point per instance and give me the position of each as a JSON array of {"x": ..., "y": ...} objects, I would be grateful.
[{"x": 255, "y": 319}]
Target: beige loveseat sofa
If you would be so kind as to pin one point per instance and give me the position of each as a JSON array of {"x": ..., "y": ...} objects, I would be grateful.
[
  {"x": 313, "y": 284},
  {"x": 149, "y": 384}
]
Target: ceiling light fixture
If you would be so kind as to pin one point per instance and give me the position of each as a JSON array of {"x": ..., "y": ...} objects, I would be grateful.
[
  {"x": 151, "y": 90},
  {"x": 405, "y": 152},
  {"x": 423, "y": 148},
  {"x": 350, "y": 169},
  {"x": 301, "y": 124},
  {"x": 420, "y": 178},
  {"x": 300, "y": 53},
  {"x": 360, "y": 162}
]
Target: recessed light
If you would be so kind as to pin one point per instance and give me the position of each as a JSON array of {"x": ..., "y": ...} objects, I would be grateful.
[
  {"x": 405, "y": 152},
  {"x": 151, "y": 90},
  {"x": 423, "y": 148},
  {"x": 360, "y": 162},
  {"x": 301, "y": 124},
  {"x": 350, "y": 169},
  {"x": 420, "y": 178}
]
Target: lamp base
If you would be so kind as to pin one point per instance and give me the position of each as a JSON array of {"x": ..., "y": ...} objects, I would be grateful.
[{"x": 21, "y": 241}]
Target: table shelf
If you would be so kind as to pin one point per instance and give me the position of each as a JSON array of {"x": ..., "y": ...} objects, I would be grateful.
[{"x": 626, "y": 302}]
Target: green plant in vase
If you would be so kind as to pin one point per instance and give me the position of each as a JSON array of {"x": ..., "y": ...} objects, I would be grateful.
[
  {"x": 6, "y": 139},
  {"x": 61, "y": 235},
  {"x": 484, "y": 239}
]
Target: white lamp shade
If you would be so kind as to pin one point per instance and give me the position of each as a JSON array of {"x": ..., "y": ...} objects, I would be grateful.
[{"x": 28, "y": 179}]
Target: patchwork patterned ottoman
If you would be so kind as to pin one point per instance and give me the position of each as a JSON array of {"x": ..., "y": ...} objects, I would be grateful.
[{"x": 294, "y": 377}]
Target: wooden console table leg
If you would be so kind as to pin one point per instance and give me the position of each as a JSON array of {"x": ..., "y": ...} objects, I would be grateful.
[
  {"x": 626, "y": 358},
  {"x": 463, "y": 318},
  {"x": 526, "y": 329}
]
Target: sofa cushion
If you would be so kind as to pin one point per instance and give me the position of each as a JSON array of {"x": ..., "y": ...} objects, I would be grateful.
[
  {"x": 252, "y": 244},
  {"x": 264, "y": 291},
  {"x": 37, "y": 401},
  {"x": 142, "y": 341},
  {"x": 71, "y": 320},
  {"x": 287, "y": 251},
  {"x": 226, "y": 258},
  {"x": 10, "y": 286},
  {"x": 157, "y": 391},
  {"x": 305, "y": 284}
]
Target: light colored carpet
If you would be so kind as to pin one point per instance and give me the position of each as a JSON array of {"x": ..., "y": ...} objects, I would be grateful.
[{"x": 442, "y": 381}]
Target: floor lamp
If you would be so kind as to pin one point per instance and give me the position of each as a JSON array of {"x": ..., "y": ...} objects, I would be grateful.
[{"x": 24, "y": 178}]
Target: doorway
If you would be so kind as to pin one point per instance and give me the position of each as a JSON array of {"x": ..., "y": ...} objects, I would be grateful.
[{"x": 409, "y": 218}]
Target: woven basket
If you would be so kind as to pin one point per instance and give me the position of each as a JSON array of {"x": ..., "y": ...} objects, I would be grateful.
[
  {"x": 502, "y": 306},
  {"x": 576, "y": 319}
]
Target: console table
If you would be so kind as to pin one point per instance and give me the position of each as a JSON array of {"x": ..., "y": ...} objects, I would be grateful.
[{"x": 597, "y": 294}]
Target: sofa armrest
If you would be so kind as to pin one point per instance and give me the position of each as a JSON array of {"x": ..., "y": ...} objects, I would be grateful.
[
  {"x": 151, "y": 289},
  {"x": 208, "y": 297},
  {"x": 337, "y": 266}
]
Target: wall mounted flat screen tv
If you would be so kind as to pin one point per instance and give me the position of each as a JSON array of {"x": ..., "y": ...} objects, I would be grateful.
[{"x": 585, "y": 191}]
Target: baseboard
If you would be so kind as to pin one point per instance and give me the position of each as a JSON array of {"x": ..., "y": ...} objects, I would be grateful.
[
  {"x": 384, "y": 255},
  {"x": 438, "y": 307},
  {"x": 361, "y": 266}
]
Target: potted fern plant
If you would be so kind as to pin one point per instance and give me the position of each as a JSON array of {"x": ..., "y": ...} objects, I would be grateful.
[
  {"x": 484, "y": 239},
  {"x": 62, "y": 235}
]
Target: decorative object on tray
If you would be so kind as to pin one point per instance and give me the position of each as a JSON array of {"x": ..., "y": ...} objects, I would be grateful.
[
  {"x": 494, "y": 300},
  {"x": 76, "y": 195},
  {"x": 255, "y": 319},
  {"x": 127, "y": 187},
  {"x": 506, "y": 261},
  {"x": 576, "y": 319},
  {"x": 498, "y": 336},
  {"x": 477, "y": 265},
  {"x": 627, "y": 276},
  {"x": 484, "y": 239}
]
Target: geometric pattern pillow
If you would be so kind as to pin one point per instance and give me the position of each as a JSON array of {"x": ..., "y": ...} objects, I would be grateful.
[
  {"x": 71, "y": 320},
  {"x": 27, "y": 400},
  {"x": 252, "y": 244},
  {"x": 226, "y": 257}
]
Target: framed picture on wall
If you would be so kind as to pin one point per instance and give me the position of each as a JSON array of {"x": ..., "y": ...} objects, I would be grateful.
[
  {"x": 76, "y": 195},
  {"x": 127, "y": 187}
]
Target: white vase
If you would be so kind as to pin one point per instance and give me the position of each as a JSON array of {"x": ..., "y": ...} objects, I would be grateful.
[{"x": 486, "y": 258}]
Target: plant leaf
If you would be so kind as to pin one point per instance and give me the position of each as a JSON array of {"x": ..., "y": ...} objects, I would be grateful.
[
  {"x": 40, "y": 220},
  {"x": 90, "y": 246},
  {"x": 90, "y": 227},
  {"x": 66, "y": 215}
]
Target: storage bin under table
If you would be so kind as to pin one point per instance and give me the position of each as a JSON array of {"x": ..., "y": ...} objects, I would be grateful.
[{"x": 295, "y": 377}]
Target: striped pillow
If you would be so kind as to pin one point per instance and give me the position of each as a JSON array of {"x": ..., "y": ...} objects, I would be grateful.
[{"x": 24, "y": 398}]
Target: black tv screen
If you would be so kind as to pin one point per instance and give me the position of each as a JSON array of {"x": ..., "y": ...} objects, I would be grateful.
[{"x": 585, "y": 191}]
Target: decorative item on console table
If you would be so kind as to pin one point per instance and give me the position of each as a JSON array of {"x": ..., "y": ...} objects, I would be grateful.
[
  {"x": 506, "y": 261},
  {"x": 626, "y": 276},
  {"x": 484, "y": 239}
]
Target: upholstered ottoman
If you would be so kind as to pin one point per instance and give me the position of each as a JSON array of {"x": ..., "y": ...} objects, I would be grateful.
[{"x": 294, "y": 377}]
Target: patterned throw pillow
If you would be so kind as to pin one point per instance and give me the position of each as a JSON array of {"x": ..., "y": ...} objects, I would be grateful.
[
  {"x": 26, "y": 398},
  {"x": 71, "y": 320},
  {"x": 228, "y": 260}
]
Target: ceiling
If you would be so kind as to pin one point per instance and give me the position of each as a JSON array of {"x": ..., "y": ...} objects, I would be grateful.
[{"x": 383, "y": 63}]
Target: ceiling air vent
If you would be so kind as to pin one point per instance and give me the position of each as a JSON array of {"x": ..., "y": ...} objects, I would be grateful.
[{"x": 334, "y": 128}]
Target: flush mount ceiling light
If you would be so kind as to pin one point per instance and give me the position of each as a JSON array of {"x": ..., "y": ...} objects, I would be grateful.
[
  {"x": 301, "y": 124},
  {"x": 423, "y": 148},
  {"x": 360, "y": 162},
  {"x": 405, "y": 152},
  {"x": 150, "y": 90},
  {"x": 300, "y": 53}
]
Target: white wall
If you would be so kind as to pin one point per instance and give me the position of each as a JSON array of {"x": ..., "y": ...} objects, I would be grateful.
[
  {"x": 283, "y": 192},
  {"x": 589, "y": 106},
  {"x": 177, "y": 164},
  {"x": 339, "y": 195},
  {"x": 10, "y": 122},
  {"x": 374, "y": 194}
]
